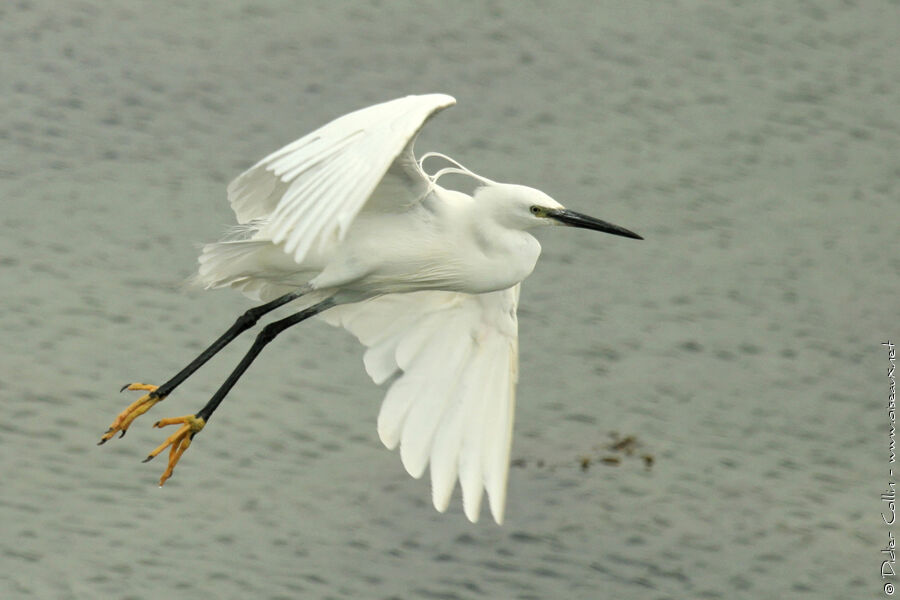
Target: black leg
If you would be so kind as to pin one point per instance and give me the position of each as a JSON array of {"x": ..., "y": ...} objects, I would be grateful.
[
  {"x": 268, "y": 333},
  {"x": 242, "y": 324},
  {"x": 193, "y": 424},
  {"x": 155, "y": 394}
]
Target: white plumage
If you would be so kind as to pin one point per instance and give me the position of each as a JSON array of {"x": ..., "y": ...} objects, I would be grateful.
[
  {"x": 454, "y": 356},
  {"x": 425, "y": 277}
]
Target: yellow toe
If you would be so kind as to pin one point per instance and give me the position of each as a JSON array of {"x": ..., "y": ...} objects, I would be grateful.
[
  {"x": 135, "y": 409},
  {"x": 178, "y": 441}
]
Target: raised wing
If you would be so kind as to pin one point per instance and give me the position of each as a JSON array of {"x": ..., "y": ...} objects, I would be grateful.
[
  {"x": 307, "y": 194},
  {"x": 452, "y": 360}
]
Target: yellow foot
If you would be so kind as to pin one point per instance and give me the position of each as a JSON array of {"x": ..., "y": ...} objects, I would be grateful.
[
  {"x": 180, "y": 440},
  {"x": 136, "y": 409}
]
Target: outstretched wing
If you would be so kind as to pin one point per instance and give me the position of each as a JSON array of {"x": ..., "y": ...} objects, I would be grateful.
[
  {"x": 307, "y": 194},
  {"x": 452, "y": 360}
]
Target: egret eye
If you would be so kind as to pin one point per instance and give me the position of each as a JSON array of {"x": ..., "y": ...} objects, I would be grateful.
[{"x": 537, "y": 211}]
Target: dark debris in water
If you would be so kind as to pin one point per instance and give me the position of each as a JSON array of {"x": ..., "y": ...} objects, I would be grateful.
[{"x": 618, "y": 451}]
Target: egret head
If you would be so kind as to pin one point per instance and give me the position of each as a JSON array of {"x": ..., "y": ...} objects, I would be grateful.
[{"x": 523, "y": 207}]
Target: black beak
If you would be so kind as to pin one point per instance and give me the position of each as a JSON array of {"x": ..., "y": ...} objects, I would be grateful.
[{"x": 574, "y": 219}]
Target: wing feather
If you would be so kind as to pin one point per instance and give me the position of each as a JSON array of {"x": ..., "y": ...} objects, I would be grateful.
[
  {"x": 475, "y": 401},
  {"x": 436, "y": 368},
  {"x": 308, "y": 193},
  {"x": 452, "y": 360}
]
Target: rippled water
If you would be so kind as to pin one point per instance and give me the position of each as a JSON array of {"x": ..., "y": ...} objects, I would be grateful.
[{"x": 755, "y": 147}]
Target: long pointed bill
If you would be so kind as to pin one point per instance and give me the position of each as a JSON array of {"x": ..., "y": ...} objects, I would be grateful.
[{"x": 575, "y": 219}]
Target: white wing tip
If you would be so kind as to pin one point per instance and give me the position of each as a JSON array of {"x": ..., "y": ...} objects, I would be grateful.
[
  {"x": 445, "y": 99},
  {"x": 439, "y": 98},
  {"x": 413, "y": 460},
  {"x": 441, "y": 504},
  {"x": 497, "y": 509},
  {"x": 388, "y": 437},
  {"x": 472, "y": 506}
]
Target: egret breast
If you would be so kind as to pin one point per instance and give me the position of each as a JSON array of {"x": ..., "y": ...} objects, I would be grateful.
[{"x": 503, "y": 263}]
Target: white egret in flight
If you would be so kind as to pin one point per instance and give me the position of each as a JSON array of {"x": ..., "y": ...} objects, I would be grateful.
[{"x": 345, "y": 223}]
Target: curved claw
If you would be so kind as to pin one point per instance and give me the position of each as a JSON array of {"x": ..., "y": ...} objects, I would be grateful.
[
  {"x": 179, "y": 441},
  {"x": 134, "y": 410}
]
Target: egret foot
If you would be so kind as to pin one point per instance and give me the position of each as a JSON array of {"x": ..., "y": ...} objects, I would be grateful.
[
  {"x": 136, "y": 409},
  {"x": 180, "y": 440}
]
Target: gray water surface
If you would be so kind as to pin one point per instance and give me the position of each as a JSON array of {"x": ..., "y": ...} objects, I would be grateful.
[{"x": 755, "y": 145}]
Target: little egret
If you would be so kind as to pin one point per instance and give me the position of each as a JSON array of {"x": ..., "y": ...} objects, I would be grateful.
[{"x": 346, "y": 223}]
